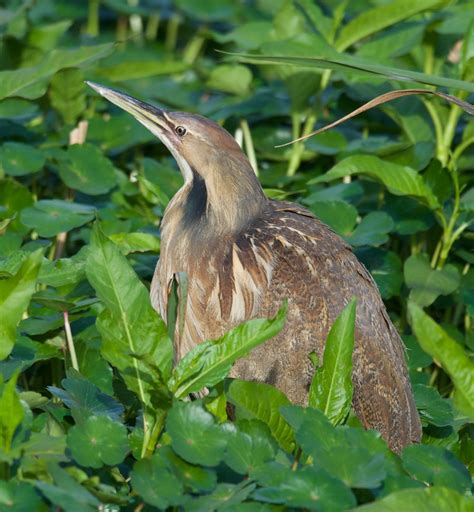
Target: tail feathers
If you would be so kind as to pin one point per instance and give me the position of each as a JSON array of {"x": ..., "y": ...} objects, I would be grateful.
[{"x": 383, "y": 401}]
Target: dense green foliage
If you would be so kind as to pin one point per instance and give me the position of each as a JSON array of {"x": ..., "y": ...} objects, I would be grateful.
[{"x": 93, "y": 415}]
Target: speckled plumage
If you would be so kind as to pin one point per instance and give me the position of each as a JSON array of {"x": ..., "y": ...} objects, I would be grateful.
[
  {"x": 288, "y": 253},
  {"x": 244, "y": 254}
]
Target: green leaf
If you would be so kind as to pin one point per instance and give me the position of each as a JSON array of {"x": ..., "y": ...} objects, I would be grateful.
[
  {"x": 135, "y": 242},
  {"x": 194, "y": 477},
  {"x": 263, "y": 402},
  {"x": 339, "y": 215},
  {"x": 31, "y": 82},
  {"x": 432, "y": 408},
  {"x": 194, "y": 434},
  {"x": 352, "y": 64},
  {"x": 19, "y": 497},
  {"x": 15, "y": 296},
  {"x": 52, "y": 216},
  {"x": 232, "y": 78},
  {"x": 310, "y": 489},
  {"x": 209, "y": 362},
  {"x": 11, "y": 413},
  {"x": 134, "y": 337},
  {"x": 399, "y": 180},
  {"x": 331, "y": 387},
  {"x": 67, "y": 94},
  {"x": 250, "y": 447},
  {"x": 421, "y": 500},
  {"x": 97, "y": 441},
  {"x": 380, "y": 17},
  {"x": 155, "y": 483},
  {"x": 448, "y": 353},
  {"x": 426, "y": 283},
  {"x": 86, "y": 169},
  {"x": 386, "y": 269},
  {"x": 355, "y": 456},
  {"x": 85, "y": 399},
  {"x": 138, "y": 68},
  {"x": 372, "y": 230},
  {"x": 433, "y": 465},
  {"x": 17, "y": 159},
  {"x": 64, "y": 271},
  {"x": 67, "y": 493}
]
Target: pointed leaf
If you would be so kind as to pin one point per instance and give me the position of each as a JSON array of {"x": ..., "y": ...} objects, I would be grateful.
[
  {"x": 11, "y": 413},
  {"x": 400, "y": 180},
  {"x": 262, "y": 401},
  {"x": 134, "y": 336},
  {"x": 331, "y": 387},
  {"x": 209, "y": 362},
  {"x": 15, "y": 296},
  {"x": 448, "y": 353}
]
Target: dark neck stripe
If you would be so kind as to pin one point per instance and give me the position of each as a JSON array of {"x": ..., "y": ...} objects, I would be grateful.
[{"x": 196, "y": 202}]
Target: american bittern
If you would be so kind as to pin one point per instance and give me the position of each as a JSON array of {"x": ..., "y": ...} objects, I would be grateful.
[{"x": 244, "y": 254}]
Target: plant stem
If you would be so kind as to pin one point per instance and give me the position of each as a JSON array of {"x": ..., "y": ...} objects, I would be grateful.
[
  {"x": 298, "y": 147},
  {"x": 149, "y": 447},
  {"x": 249, "y": 145},
  {"x": 93, "y": 18},
  {"x": 172, "y": 28},
  {"x": 193, "y": 49},
  {"x": 70, "y": 341},
  {"x": 152, "y": 26}
]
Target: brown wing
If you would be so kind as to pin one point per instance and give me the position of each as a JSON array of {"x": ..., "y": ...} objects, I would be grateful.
[{"x": 317, "y": 271}]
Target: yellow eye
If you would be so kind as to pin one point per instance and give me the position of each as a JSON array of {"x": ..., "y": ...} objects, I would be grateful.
[{"x": 180, "y": 130}]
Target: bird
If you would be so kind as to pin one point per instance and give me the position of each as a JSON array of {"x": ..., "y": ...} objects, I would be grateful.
[{"x": 244, "y": 254}]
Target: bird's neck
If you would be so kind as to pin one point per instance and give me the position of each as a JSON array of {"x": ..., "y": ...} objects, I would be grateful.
[{"x": 216, "y": 204}]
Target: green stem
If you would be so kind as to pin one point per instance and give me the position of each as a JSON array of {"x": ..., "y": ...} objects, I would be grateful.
[
  {"x": 193, "y": 49},
  {"x": 93, "y": 18},
  {"x": 149, "y": 448},
  {"x": 249, "y": 145},
  {"x": 70, "y": 342},
  {"x": 437, "y": 126},
  {"x": 298, "y": 147},
  {"x": 172, "y": 28},
  {"x": 152, "y": 26},
  {"x": 461, "y": 148}
]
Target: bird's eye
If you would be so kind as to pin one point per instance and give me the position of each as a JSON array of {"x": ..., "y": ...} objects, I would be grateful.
[{"x": 180, "y": 130}]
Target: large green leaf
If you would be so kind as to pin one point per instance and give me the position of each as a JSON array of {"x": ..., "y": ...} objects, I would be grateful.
[
  {"x": 380, "y": 17},
  {"x": 15, "y": 295},
  {"x": 17, "y": 159},
  {"x": 262, "y": 401},
  {"x": 49, "y": 217},
  {"x": 352, "y": 64},
  {"x": 209, "y": 362},
  {"x": 195, "y": 435},
  {"x": 97, "y": 441},
  {"x": 250, "y": 447},
  {"x": 309, "y": 489},
  {"x": 331, "y": 387},
  {"x": 11, "y": 413},
  {"x": 434, "y": 465},
  {"x": 448, "y": 353},
  {"x": 427, "y": 283},
  {"x": 31, "y": 82},
  {"x": 153, "y": 480},
  {"x": 421, "y": 500},
  {"x": 87, "y": 169},
  {"x": 400, "y": 180},
  {"x": 134, "y": 338},
  {"x": 67, "y": 94},
  {"x": 355, "y": 456}
]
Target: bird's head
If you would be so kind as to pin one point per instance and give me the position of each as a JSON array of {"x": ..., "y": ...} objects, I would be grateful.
[{"x": 220, "y": 185}]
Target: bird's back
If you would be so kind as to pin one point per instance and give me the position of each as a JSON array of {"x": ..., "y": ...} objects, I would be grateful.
[{"x": 286, "y": 253}]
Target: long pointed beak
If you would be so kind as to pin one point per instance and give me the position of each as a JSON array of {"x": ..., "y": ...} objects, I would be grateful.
[{"x": 152, "y": 117}]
